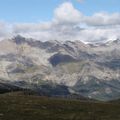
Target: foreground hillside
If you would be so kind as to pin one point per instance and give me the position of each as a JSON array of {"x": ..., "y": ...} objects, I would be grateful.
[{"x": 16, "y": 106}]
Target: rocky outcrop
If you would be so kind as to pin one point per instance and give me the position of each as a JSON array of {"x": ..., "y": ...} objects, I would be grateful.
[{"x": 91, "y": 70}]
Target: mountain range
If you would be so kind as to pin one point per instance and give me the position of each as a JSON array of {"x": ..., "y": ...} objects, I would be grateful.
[{"x": 57, "y": 68}]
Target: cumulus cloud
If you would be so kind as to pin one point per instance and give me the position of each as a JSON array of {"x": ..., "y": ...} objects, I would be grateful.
[
  {"x": 5, "y": 30},
  {"x": 67, "y": 14},
  {"x": 68, "y": 23},
  {"x": 31, "y": 27},
  {"x": 99, "y": 34},
  {"x": 102, "y": 19}
]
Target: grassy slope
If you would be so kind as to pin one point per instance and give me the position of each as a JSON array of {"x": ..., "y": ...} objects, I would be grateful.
[{"x": 21, "y": 107}]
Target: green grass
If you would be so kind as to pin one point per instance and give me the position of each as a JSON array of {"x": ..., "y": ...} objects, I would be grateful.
[{"x": 17, "y": 106}]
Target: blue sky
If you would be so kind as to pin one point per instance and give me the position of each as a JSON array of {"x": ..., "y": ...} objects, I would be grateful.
[
  {"x": 61, "y": 19},
  {"x": 42, "y": 10}
]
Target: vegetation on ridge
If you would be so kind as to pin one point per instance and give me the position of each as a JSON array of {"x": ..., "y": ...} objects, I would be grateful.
[{"x": 17, "y": 106}]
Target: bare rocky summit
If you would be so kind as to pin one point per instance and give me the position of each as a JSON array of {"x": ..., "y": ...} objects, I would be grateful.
[{"x": 90, "y": 70}]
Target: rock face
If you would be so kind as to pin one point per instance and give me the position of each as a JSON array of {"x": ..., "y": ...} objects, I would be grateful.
[{"x": 90, "y": 70}]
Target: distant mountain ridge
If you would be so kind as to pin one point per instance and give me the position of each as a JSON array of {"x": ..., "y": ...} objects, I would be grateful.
[{"x": 89, "y": 70}]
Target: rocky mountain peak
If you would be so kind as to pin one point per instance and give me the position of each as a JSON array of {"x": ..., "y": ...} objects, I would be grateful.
[
  {"x": 113, "y": 42},
  {"x": 19, "y": 39},
  {"x": 84, "y": 69}
]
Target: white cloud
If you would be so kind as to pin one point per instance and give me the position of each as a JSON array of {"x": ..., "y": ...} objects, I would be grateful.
[
  {"x": 99, "y": 34},
  {"x": 67, "y": 14},
  {"x": 5, "y": 30},
  {"x": 31, "y": 27},
  {"x": 68, "y": 23},
  {"x": 102, "y": 19}
]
